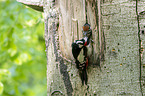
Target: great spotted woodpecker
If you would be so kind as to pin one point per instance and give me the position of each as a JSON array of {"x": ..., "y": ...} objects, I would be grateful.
[{"x": 79, "y": 51}]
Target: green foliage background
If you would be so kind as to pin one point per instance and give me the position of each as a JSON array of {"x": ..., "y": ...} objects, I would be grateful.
[{"x": 22, "y": 51}]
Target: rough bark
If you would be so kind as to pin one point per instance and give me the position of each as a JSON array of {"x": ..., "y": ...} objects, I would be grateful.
[
  {"x": 117, "y": 62},
  {"x": 120, "y": 72}
]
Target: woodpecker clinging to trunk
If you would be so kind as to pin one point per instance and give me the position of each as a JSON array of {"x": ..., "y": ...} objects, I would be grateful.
[{"x": 80, "y": 46}]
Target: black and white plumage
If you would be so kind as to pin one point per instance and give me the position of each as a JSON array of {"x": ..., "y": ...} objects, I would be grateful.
[{"x": 77, "y": 47}]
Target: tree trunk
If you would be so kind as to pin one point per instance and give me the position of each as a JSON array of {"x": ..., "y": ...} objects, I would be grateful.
[{"x": 117, "y": 59}]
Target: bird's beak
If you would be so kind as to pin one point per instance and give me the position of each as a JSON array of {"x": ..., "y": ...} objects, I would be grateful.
[{"x": 85, "y": 33}]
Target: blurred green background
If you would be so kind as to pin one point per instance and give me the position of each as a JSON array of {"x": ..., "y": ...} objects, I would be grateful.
[{"x": 22, "y": 51}]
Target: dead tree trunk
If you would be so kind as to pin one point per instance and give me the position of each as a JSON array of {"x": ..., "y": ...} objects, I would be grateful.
[{"x": 117, "y": 60}]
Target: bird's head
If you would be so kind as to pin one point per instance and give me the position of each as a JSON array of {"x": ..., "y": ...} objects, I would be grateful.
[{"x": 87, "y": 31}]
